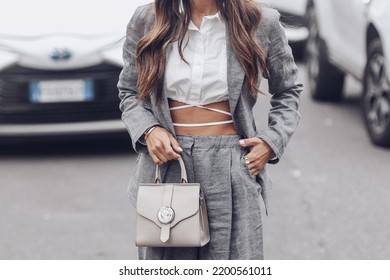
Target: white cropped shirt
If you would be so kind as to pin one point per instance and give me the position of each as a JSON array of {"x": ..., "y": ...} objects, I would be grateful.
[{"x": 204, "y": 79}]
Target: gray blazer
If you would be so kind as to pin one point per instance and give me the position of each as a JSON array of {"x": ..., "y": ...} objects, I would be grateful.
[{"x": 283, "y": 86}]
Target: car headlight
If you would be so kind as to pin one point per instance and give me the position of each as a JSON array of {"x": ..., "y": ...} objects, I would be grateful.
[{"x": 7, "y": 57}]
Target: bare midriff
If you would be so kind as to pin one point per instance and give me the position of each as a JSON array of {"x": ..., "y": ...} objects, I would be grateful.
[{"x": 195, "y": 115}]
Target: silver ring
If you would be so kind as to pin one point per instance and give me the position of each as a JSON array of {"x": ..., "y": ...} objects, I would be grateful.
[{"x": 247, "y": 161}]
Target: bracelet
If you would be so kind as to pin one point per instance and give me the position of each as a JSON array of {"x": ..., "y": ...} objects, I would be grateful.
[{"x": 148, "y": 131}]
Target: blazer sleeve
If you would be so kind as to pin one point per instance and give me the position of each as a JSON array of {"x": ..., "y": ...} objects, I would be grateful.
[
  {"x": 284, "y": 88},
  {"x": 137, "y": 115}
]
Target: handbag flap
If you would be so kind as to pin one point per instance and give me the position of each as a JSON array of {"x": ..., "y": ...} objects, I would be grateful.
[{"x": 184, "y": 202}]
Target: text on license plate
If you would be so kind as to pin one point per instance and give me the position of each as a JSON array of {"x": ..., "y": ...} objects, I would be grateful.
[{"x": 54, "y": 91}]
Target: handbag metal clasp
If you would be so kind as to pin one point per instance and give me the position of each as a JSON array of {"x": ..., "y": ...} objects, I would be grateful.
[{"x": 166, "y": 215}]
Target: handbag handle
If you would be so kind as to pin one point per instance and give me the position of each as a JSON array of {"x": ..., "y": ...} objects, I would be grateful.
[{"x": 183, "y": 175}]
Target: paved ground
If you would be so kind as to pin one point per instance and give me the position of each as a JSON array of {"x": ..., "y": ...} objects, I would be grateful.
[{"x": 330, "y": 198}]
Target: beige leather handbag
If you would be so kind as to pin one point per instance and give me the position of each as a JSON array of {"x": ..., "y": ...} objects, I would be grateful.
[{"x": 171, "y": 214}]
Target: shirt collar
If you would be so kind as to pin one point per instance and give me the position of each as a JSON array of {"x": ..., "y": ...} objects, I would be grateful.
[{"x": 192, "y": 26}]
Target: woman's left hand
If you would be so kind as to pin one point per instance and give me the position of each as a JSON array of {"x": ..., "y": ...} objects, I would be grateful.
[{"x": 259, "y": 155}]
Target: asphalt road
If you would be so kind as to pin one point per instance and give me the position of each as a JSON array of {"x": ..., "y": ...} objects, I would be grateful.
[{"x": 330, "y": 198}]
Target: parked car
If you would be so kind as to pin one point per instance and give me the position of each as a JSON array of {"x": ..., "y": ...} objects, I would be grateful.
[
  {"x": 352, "y": 37},
  {"x": 59, "y": 66}
]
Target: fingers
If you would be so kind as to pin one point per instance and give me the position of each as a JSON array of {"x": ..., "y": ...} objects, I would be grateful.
[
  {"x": 254, "y": 165},
  {"x": 156, "y": 159},
  {"x": 162, "y": 146},
  {"x": 260, "y": 153},
  {"x": 170, "y": 154},
  {"x": 256, "y": 159},
  {"x": 255, "y": 170},
  {"x": 163, "y": 152},
  {"x": 250, "y": 142},
  {"x": 175, "y": 145},
  {"x": 250, "y": 158}
]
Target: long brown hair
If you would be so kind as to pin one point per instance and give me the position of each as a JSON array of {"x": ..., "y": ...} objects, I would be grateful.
[{"x": 242, "y": 18}]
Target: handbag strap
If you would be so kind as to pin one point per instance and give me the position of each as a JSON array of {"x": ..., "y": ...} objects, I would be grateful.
[{"x": 183, "y": 175}]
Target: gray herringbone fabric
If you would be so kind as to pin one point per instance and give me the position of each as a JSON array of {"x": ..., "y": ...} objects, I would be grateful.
[
  {"x": 217, "y": 162},
  {"x": 232, "y": 197},
  {"x": 282, "y": 81}
]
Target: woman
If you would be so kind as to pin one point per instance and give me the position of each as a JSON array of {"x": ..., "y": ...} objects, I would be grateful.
[{"x": 191, "y": 74}]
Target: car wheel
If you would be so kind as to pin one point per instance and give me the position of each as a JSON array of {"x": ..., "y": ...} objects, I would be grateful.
[
  {"x": 376, "y": 95},
  {"x": 325, "y": 80}
]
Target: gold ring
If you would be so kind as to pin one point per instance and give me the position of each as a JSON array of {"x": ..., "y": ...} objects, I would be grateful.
[{"x": 247, "y": 161}]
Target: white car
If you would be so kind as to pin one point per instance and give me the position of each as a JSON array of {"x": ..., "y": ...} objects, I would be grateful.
[
  {"x": 352, "y": 37},
  {"x": 59, "y": 66}
]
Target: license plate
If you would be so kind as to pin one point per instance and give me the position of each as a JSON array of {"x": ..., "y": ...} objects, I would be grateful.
[{"x": 56, "y": 91}]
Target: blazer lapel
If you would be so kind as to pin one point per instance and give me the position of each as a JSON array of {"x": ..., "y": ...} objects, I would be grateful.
[{"x": 235, "y": 74}]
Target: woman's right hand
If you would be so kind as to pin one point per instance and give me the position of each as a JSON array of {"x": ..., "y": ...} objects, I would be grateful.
[{"x": 162, "y": 146}]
